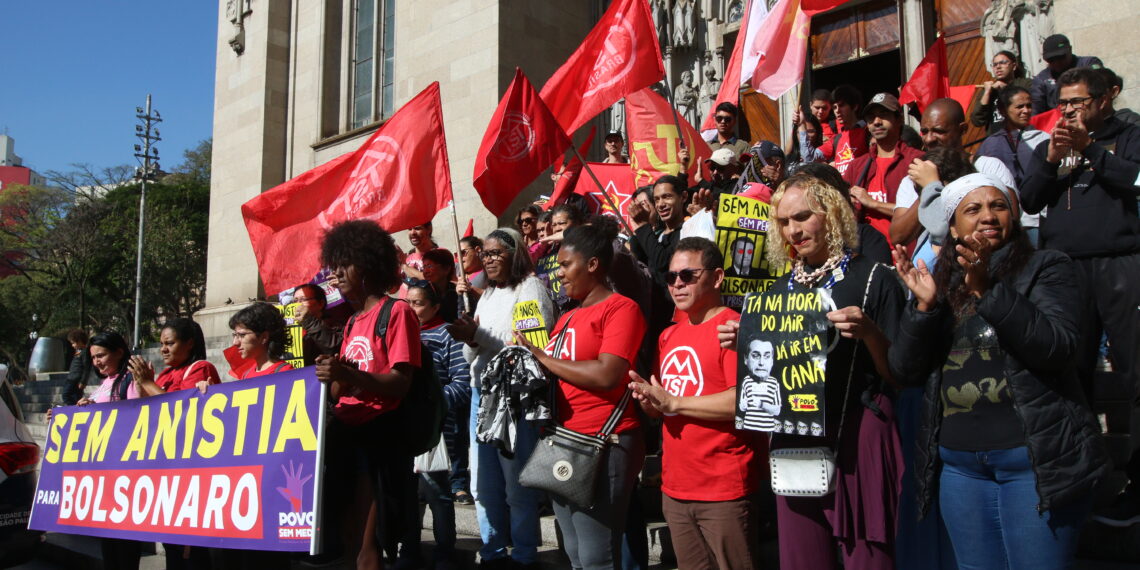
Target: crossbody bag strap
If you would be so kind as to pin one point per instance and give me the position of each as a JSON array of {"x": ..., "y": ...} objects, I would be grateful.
[
  {"x": 616, "y": 415},
  {"x": 557, "y": 354},
  {"x": 851, "y": 370}
]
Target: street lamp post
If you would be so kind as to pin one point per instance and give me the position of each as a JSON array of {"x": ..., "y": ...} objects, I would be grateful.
[{"x": 147, "y": 154}]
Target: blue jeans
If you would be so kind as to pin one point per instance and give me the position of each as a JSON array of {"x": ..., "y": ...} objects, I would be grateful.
[
  {"x": 989, "y": 503},
  {"x": 507, "y": 512}
]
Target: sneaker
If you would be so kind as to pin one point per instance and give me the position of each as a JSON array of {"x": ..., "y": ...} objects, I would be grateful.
[
  {"x": 1125, "y": 512},
  {"x": 464, "y": 498}
]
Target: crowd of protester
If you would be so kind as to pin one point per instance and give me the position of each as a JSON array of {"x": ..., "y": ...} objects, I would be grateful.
[{"x": 973, "y": 286}]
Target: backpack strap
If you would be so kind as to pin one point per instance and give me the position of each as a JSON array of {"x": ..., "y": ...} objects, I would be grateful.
[{"x": 190, "y": 368}]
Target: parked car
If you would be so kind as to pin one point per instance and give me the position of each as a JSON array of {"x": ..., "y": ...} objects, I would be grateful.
[{"x": 19, "y": 462}]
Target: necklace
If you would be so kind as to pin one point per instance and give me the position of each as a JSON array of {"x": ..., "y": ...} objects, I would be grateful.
[{"x": 835, "y": 265}]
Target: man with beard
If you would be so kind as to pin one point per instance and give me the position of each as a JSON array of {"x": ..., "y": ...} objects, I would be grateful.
[{"x": 875, "y": 177}]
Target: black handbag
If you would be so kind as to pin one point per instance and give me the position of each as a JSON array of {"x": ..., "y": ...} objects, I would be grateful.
[{"x": 567, "y": 463}]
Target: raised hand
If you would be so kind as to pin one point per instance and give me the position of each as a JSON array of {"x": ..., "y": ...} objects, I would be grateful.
[
  {"x": 918, "y": 279},
  {"x": 294, "y": 489},
  {"x": 922, "y": 172}
]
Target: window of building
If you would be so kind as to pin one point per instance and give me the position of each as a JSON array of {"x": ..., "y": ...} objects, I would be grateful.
[{"x": 372, "y": 62}]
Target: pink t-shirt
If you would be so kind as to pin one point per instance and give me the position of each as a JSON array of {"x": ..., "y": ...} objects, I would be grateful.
[
  {"x": 103, "y": 393},
  {"x": 401, "y": 344}
]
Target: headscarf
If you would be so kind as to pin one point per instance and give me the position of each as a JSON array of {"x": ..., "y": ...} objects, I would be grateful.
[
  {"x": 509, "y": 237},
  {"x": 938, "y": 203}
]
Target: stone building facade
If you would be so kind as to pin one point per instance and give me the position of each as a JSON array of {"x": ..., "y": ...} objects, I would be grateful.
[{"x": 300, "y": 82}]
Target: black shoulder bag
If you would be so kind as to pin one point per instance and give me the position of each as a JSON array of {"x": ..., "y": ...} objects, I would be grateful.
[{"x": 565, "y": 462}]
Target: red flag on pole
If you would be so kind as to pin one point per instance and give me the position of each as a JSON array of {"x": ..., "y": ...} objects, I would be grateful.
[
  {"x": 930, "y": 80},
  {"x": 568, "y": 180},
  {"x": 521, "y": 141},
  {"x": 470, "y": 231},
  {"x": 964, "y": 95},
  {"x": 617, "y": 180},
  {"x": 754, "y": 14},
  {"x": 654, "y": 141},
  {"x": 400, "y": 177},
  {"x": 780, "y": 45},
  {"x": 619, "y": 56},
  {"x": 1045, "y": 121}
]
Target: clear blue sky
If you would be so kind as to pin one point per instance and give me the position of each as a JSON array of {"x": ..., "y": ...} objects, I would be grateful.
[{"x": 73, "y": 72}]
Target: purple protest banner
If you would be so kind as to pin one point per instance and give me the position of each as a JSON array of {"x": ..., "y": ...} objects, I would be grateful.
[{"x": 237, "y": 467}]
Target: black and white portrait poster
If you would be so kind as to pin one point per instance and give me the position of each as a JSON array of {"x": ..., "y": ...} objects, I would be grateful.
[{"x": 782, "y": 346}]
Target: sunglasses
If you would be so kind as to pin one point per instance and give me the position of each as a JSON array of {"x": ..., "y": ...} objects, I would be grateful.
[
  {"x": 526, "y": 221},
  {"x": 687, "y": 276},
  {"x": 724, "y": 118}
]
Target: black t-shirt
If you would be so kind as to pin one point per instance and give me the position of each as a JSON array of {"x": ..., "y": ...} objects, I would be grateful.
[
  {"x": 977, "y": 402},
  {"x": 885, "y": 302}
]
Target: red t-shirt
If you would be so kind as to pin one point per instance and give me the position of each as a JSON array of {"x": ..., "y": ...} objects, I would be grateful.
[
  {"x": 850, "y": 144},
  {"x": 702, "y": 460},
  {"x": 279, "y": 367},
  {"x": 401, "y": 344},
  {"x": 877, "y": 189},
  {"x": 614, "y": 326},
  {"x": 187, "y": 376}
]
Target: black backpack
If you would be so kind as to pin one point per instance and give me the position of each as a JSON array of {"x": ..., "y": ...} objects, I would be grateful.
[{"x": 420, "y": 415}]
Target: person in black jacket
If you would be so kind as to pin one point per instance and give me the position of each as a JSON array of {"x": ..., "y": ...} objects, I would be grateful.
[
  {"x": 80, "y": 369},
  {"x": 1006, "y": 429},
  {"x": 1087, "y": 178},
  {"x": 1057, "y": 51}
]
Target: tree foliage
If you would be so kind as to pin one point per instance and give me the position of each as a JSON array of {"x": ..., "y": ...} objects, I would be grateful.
[{"x": 71, "y": 252}]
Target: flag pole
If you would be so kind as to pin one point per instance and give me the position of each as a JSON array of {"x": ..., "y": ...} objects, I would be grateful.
[
  {"x": 459, "y": 272},
  {"x": 605, "y": 194}
]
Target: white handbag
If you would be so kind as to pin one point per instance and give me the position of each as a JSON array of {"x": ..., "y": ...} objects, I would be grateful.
[
  {"x": 434, "y": 460},
  {"x": 810, "y": 471}
]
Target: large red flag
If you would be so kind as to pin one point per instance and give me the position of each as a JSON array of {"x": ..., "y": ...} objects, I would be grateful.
[
  {"x": 930, "y": 80},
  {"x": 400, "y": 177},
  {"x": 964, "y": 95},
  {"x": 568, "y": 180},
  {"x": 654, "y": 141},
  {"x": 780, "y": 45},
  {"x": 521, "y": 141},
  {"x": 618, "y": 57}
]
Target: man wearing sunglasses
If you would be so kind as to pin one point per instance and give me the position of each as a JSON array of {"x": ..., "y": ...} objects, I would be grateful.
[
  {"x": 1087, "y": 177},
  {"x": 709, "y": 473},
  {"x": 726, "y": 116}
]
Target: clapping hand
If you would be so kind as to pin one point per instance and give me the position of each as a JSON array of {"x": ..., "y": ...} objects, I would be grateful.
[
  {"x": 651, "y": 395},
  {"x": 973, "y": 254},
  {"x": 917, "y": 278}
]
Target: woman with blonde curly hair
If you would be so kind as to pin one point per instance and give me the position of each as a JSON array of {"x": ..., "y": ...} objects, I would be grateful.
[{"x": 814, "y": 228}]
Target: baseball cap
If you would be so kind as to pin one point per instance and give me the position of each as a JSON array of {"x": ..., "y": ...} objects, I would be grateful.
[
  {"x": 1056, "y": 45},
  {"x": 614, "y": 134},
  {"x": 723, "y": 157},
  {"x": 884, "y": 100},
  {"x": 767, "y": 150}
]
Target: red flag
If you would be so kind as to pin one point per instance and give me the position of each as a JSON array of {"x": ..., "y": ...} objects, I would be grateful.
[
  {"x": 617, "y": 180},
  {"x": 400, "y": 177},
  {"x": 238, "y": 366},
  {"x": 568, "y": 180},
  {"x": 470, "y": 228},
  {"x": 521, "y": 141},
  {"x": 618, "y": 57},
  {"x": 1045, "y": 121},
  {"x": 654, "y": 142},
  {"x": 930, "y": 80},
  {"x": 781, "y": 45},
  {"x": 964, "y": 95}
]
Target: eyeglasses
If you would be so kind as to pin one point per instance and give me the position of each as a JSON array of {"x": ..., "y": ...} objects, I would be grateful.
[
  {"x": 493, "y": 254},
  {"x": 1003, "y": 63},
  {"x": 303, "y": 299},
  {"x": 467, "y": 250},
  {"x": 687, "y": 276},
  {"x": 724, "y": 118},
  {"x": 1077, "y": 103},
  {"x": 240, "y": 335}
]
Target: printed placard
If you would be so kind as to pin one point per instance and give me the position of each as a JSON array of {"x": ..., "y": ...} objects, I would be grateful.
[
  {"x": 741, "y": 234},
  {"x": 527, "y": 319},
  {"x": 236, "y": 467},
  {"x": 294, "y": 335},
  {"x": 782, "y": 346}
]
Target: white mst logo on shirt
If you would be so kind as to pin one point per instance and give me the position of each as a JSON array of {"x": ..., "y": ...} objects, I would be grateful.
[
  {"x": 359, "y": 350},
  {"x": 681, "y": 372}
]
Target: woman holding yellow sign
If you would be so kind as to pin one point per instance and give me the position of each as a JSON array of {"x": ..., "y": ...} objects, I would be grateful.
[{"x": 817, "y": 234}]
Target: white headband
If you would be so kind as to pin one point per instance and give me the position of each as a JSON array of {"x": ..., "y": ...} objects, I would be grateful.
[{"x": 938, "y": 204}]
